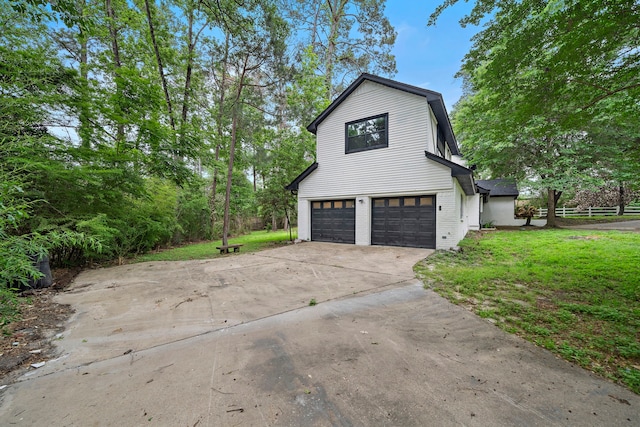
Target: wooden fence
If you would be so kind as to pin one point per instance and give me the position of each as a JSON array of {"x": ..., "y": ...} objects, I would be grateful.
[{"x": 595, "y": 211}]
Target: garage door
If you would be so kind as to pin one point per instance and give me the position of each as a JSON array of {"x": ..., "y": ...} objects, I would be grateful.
[
  {"x": 333, "y": 221},
  {"x": 404, "y": 221}
]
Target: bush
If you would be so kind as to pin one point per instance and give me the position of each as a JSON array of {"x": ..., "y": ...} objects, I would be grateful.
[{"x": 193, "y": 214}]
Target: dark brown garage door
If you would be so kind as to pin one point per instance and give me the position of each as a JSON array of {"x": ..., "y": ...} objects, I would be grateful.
[
  {"x": 333, "y": 221},
  {"x": 404, "y": 221}
]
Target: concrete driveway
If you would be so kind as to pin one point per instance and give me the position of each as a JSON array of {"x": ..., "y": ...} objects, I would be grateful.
[{"x": 233, "y": 341}]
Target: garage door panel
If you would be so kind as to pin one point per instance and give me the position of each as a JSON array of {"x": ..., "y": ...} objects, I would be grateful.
[
  {"x": 404, "y": 221},
  {"x": 333, "y": 221}
]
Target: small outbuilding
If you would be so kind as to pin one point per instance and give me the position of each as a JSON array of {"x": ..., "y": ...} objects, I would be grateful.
[{"x": 498, "y": 201}]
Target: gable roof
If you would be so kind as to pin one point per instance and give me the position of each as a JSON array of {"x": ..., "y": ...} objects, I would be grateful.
[
  {"x": 296, "y": 182},
  {"x": 499, "y": 187},
  {"x": 433, "y": 98},
  {"x": 459, "y": 172}
]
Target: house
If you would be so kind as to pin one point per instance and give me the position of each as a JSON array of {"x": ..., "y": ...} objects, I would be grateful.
[
  {"x": 388, "y": 171},
  {"x": 497, "y": 204}
]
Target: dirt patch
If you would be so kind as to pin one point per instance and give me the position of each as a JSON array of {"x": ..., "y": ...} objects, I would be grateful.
[{"x": 29, "y": 340}]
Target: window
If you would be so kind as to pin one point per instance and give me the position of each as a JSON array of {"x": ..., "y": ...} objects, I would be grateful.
[
  {"x": 366, "y": 134},
  {"x": 441, "y": 142}
]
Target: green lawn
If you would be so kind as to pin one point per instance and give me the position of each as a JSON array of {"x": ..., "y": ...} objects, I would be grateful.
[
  {"x": 258, "y": 240},
  {"x": 576, "y": 293},
  {"x": 580, "y": 220}
]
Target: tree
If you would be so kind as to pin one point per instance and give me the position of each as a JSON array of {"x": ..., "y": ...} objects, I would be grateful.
[
  {"x": 537, "y": 75},
  {"x": 536, "y": 152},
  {"x": 349, "y": 36},
  {"x": 254, "y": 36},
  {"x": 608, "y": 195}
]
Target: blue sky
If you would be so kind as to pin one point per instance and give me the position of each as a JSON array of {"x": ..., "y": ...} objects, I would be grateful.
[{"x": 429, "y": 57}]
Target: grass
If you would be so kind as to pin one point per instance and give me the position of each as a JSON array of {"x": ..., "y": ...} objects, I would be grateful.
[
  {"x": 256, "y": 241},
  {"x": 575, "y": 293},
  {"x": 580, "y": 220}
]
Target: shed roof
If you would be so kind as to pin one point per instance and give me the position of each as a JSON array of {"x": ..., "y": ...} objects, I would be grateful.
[
  {"x": 433, "y": 98},
  {"x": 499, "y": 187}
]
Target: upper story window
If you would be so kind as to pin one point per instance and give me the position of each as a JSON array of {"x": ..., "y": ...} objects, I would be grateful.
[
  {"x": 367, "y": 134},
  {"x": 441, "y": 148}
]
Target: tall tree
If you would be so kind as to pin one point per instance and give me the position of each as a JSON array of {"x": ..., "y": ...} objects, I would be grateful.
[
  {"x": 538, "y": 73},
  {"x": 349, "y": 36},
  {"x": 254, "y": 36}
]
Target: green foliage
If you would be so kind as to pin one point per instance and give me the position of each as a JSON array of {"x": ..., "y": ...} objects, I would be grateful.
[
  {"x": 348, "y": 36},
  {"x": 552, "y": 91},
  {"x": 255, "y": 241},
  {"x": 107, "y": 131},
  {"x": 193, "y": 214},
  {"x": 574, "y": 292}
]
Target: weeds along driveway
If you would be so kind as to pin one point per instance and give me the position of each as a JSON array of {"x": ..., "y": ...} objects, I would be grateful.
[{"x": 390, "y": 354}]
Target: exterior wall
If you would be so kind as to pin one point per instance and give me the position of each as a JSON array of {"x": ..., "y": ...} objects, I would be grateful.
[
  {"x": 398, "y": 169},
  {"x": 304, "y": 219},
  {"x": 363, "y": 220},
  {"x": 500, "y": 211},
  {"x": 401, "y": 169},
  {"x": 451, "y": 226},
  {"x": 473, "y": 208},
  {"x": 446, "y": 220},
  {"x": 433, "y": 131}
]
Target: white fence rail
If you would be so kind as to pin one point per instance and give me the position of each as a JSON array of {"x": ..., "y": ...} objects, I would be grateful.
[{"x": 595, "y": 211}]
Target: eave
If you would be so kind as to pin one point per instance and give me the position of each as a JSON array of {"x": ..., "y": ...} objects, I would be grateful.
[
  {"x": 462, "y": 174},
  {"x": 293, "y": 187}
]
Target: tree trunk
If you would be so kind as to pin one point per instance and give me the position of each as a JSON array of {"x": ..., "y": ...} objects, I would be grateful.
[
  {"x": 115, "y": 50},
  {"x": 274, "y": 222},
  {"x": 84, "y": 130},
  {"x": 227, "y": 196},
  {"x": 232, "y": 149},
  {"x": 556, "y": 196},
  {"x": 255, "y": 175},
  {"x": 187, "y": 79},
  {"x": 220, "y": 128},
  {"x": 163, "y": 78},
  {"x": 551, "y": 208},
  {"x": 621, "y": 200},
  {"x": 336, "y": 10}
]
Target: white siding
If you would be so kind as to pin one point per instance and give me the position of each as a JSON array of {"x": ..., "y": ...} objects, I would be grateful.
[
  {"x": 304, "y": 219},
  {"x": 363, "y": 220},
  {"x": 400, "y": 168},
  {"x": 500, "y": 211},
  {"x": 473, "y": 212}
]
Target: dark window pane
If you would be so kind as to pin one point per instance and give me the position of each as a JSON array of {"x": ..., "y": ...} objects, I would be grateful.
[{"x": 367, "y": 133}]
